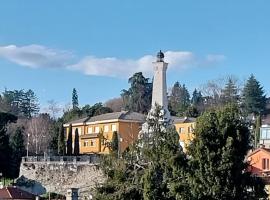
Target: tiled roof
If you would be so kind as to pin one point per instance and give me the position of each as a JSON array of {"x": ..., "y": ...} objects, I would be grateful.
[
  {"x": 15, "y": 193},
  {"x": 124, "y": 115},
  {"x": 259, "y": 149},
  {"x": 183, "y": 119}
]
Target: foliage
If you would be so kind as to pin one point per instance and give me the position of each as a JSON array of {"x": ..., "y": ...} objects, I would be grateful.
[
  {"x": 115, "y": 142},
  {"x": 20, "y": 103},
  {"x": 18, "y": 151},
  {"x": 254, "y": 99},
  {"x": 75, "y": 101},
  {"x": 217, "y": 155},
  {"x": 5, "y": 150},
  {"x": 230, "y": 92},
  {"x": 138, "y": 97},
  {"x": 179, "y": 99},
  {"x": 76, "y": 151},
  {"x": 61, "y": 141},
  {"x": 69, "y": 141}
]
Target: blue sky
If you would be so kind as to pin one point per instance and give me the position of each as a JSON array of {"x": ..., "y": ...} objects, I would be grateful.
[{"x": 53, "y": 46}]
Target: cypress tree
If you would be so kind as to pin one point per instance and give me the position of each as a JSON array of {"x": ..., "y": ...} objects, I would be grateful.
[
  {"x": 69, "y": 141},
  {"x": 61, "y": 141},
  {"x": 75, "y": 101},
  {"x": 114, "y": 145},
  {"x": 76, "y": 143}
]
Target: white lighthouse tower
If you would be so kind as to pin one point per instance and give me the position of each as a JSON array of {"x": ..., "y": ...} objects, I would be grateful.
[{"x": 159, "y": 94}]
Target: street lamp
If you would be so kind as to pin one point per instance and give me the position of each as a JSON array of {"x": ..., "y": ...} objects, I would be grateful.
[{"x": 27, "y": 147}]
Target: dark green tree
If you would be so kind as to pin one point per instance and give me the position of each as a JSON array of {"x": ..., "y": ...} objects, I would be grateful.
[
  {"x": 230, "y": 93},
  {"x": 75, "y": 101},
  {"x": 192, "y": 111},
  {"x": 76, "y": 143},
  {"x": 18, "y": 151},
  {"x": 138, "y": 97},
  {"x": 29, "y": 105},
  {"x": 115, "y": 142},
  {"x": 5, "y": 150},
  {"x": 69, "y": 141},
  {"x": 217, "y": 154},
  {"x": 179, "y": 100},
  {"x": 61, "y": 141},
  {"x": 254, "y": 99},
  {"x": 197, "y": 98}
]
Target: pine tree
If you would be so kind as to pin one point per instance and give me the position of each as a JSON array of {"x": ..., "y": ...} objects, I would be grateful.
[
  {"x": 217, "y": 154},
  {"x": 18, "y": 151},
  {"x": 75, "y": 101},
  {"x": 69, "y": 141},
  {"x": 254, "y": 99},
  {"x": 197, "y": 98},
  {"x": 61, "y": 141},
  {"x": 76, "y": 143},
  {"x": 29, "y": 104},
  {"x": 138, "y": 97},
  {"x": 229, "y": 93}
]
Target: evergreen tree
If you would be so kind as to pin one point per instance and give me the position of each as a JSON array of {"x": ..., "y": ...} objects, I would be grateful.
[
  {"x": 18, "y": 151},
  {"x": 229, "y": 93},
  {"x": 179, "y": 100},
  {"x": 217, "y": 154},
  {"x": 29, "y": 104},
  {"x": 61, "y": 141},
  {"x": 76, "y": 143},
  {"x": 5, "y": 150},
  {"x": 138, "y": 97},
  {"x": 115, "y": 142},
  {"x": 197, "y": 98},
  {"x": 69, "y": 141},
  {"x": 75, "y": 101},
  {"x": 254, "y": 99}
]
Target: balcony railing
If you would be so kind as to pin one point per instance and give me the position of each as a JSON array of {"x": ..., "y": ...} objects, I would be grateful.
[{"x": 94, "y": 159}]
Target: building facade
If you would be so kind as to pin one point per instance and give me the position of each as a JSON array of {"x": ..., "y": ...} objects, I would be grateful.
[{"x": 95, "y": 133}]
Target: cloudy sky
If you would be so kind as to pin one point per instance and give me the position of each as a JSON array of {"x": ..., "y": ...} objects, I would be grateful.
[{"x": 94, "y": 46}]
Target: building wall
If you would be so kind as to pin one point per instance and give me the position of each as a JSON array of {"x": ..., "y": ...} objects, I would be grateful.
[
  {"x": 128, "y": 133},
  {"x": 186, "y": 133},
  {"x": 256, "y": 162}
]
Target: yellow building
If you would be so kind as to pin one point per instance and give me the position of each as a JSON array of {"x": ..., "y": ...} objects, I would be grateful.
[
  {"x": 95, "y": 133},
  {"x": 185, "y": 128}
]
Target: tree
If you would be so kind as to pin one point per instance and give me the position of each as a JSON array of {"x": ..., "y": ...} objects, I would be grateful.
[
  {"x": 116, "y": 104},
  {"x": 61, "y": 141},
  {"x": 179, "y": 99},
  {"x": 30, "y": 105},
  {"x": 217, "y": 155},
  {"x": 75, "y": 101},
  {"x": 39, "y": 129},
  {"x": 5, "y": 149},
  {"x": 115, "y": 142},
  {"x": 197, "y": 98},
  {"x": 18, "y": 151},
  {"x": 138, "y": 97},
  {"x": 76, "y": 151},
  {"x": 230, "y": 93},
  {"x": 254, "y": 99},
  {"x": 69, "y": 141}
]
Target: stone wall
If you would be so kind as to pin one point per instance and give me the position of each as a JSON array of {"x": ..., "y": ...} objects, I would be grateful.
[{"x": 60, "y": 176}]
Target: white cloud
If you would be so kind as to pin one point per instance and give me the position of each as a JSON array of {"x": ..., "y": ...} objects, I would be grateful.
[{"x": 37, "y": 56}]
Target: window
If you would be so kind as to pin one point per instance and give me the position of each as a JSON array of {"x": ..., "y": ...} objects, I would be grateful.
[
  {"x": 265, "y": 163},
  {"x": 106, "y": 128},
  {"x": 265, "y": 133},
  {"x": 190, "y": 129},
  {"x": 92, "y": 143},
  {"x": 96, "y": 129},
  {"x": 90, "y": 130},
  {"x": 181, "y": 130},
  {"x": 114, "y": 127},
  {"x": 85, "y": 143}
]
